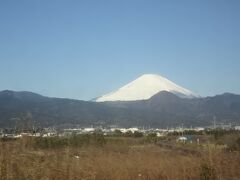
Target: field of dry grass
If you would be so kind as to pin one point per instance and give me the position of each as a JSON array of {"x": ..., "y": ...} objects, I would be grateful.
[{"x": 123, "y": 159}]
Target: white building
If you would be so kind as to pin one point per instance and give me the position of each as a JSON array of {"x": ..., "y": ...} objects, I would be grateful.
[
  {"x": 182, "y": 139},
  {"x": 237, "y": 128},
  {"x": 88, "y": 130}
]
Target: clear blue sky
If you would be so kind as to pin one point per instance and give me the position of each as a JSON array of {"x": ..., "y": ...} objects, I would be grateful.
[{"x": 83, "y": 49}]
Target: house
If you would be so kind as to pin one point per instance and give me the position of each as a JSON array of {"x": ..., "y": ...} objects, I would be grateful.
[
  {"x": 182, "y": 139},
  {"x": 8, "y": 136},
  {"x": 88, "y": 130},
  {"x": 160, "y": 134},
  {"x": 237, "y": 128},
  {"x": 133, "y": 129}
]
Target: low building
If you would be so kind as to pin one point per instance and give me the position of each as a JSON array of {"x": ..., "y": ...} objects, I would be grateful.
[
  {"x": 88, "y": 130},
  {"x": 182, "y": 139},
  {"x": 237, "y": 128}
]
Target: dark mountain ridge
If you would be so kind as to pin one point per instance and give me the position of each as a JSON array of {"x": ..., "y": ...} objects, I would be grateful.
[{"x": 162, "y": 110}]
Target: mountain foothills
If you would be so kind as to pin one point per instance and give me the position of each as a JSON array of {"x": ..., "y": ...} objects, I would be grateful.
[
  {"x": 162, "y": 110},
  {"x": 150, "y": 100}
]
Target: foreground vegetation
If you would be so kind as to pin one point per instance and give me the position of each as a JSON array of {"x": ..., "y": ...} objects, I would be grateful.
[{"x": 117, "y": 157}]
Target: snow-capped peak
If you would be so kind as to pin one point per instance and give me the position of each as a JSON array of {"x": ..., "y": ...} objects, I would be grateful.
[{"x": 144, "y": 88}]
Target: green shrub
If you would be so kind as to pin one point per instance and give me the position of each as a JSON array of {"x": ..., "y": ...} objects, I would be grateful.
[
  {"x": 137, "y": 134},
  {"x": 234, "y": 145},
  {"x": 117, "y": 133},
  {"x": 128, "y": 134},
  {"x": 98, "y": 139}
]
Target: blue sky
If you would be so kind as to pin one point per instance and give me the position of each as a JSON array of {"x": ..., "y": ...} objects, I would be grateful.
[{"x": 83, "y": 49}]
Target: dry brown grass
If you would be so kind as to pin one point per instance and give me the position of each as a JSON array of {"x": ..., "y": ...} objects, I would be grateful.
[{"x": 118, "y": 161}]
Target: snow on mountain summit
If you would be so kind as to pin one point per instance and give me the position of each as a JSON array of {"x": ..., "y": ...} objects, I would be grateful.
[{"x": 144, "y": 88}]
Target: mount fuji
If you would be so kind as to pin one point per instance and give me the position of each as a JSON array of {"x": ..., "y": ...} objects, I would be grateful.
[{"x": 145, "y": 87}]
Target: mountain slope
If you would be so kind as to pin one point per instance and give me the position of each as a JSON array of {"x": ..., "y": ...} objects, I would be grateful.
[
  {"x": 162, "y": 110},
  {"x": 144, "y": 88},
  {"x": 166, "y": 109},
  {"x": 15, "y": 108}
]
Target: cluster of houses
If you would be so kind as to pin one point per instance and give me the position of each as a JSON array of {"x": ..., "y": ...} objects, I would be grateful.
[
  {"x": 51, "y": 132},
  {"x": 12, "y": 133},
  {"x": 144, "y": 131}
]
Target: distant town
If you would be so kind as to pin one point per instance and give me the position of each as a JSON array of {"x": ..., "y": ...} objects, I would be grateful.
[{"x": 111, "y": 130}]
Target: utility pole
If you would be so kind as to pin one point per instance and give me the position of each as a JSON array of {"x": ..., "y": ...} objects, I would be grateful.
[
  {"x": 214, "y": 122},
  {"x": 182, "y": 129}
]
